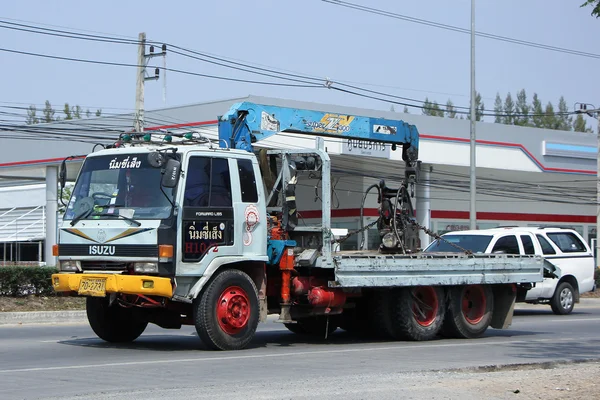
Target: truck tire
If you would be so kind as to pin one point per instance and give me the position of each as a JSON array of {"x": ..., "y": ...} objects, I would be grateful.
[
  {"x": 114, "y": 323},
  {"x": 226, "y": 313},
  {"x": 314, "y": 326},
  {"x": 370, "y": 318},
  {"x": 417, "y": 312},
  {"x": 563, "y": 300},
  {"x": 470, "y": 310}
]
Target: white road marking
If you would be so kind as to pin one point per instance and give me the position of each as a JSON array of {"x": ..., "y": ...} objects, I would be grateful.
[{"x": 287, "y": 354}]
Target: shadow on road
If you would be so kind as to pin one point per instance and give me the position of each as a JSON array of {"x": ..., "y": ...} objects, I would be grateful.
[{"x": 263, "y": 339}]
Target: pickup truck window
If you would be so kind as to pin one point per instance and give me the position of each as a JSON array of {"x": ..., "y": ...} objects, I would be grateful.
[
  {"x": 247, "y": 181},
  {"x": 546, "y": 246},
  {"x": 567, "y": 242},
  {"x": 527, "y": 244},
  {"x": 507, "y": 244},
  {"x": 475, "y": 243}
]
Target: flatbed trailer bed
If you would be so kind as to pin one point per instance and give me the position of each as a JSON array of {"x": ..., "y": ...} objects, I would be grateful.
[{"x": 373, "y": 269}]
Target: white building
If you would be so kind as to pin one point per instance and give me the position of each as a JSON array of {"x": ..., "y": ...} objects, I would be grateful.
[{"x": 525, "y": 176}]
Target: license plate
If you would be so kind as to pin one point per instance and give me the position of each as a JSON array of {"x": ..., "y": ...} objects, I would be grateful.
[{"x": 93, "y": 287}]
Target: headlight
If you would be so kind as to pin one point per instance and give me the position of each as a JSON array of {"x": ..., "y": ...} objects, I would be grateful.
[
  {"x": 145, "y": 267},
  {"x": 70, "y": 265},
  {"x": 390, "y": 240}
]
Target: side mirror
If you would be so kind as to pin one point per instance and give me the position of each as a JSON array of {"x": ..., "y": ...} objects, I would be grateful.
[
  {"x": 62, "y": 175},
  {"x": 171, "y": 174},
  {"x": 156, "y": 159}
]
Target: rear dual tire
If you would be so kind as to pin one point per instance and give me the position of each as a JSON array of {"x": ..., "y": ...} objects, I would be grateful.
[{"x": 470, "y": 310}]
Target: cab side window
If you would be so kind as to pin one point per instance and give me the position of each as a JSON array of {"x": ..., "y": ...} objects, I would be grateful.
[
  {"x": 546, "y": 246},
  {"x": 247, "y": 181},
  {"x": 208, "y": 183},
  {"x": 567, "y": 242},
  {"x": 527, "y": 244},
  {"x": 507, "y": 245}
]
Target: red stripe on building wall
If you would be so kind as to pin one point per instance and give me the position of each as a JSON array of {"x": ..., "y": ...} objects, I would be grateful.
[
  {"x": 501, "y": 216},
  {"x": 43, "y": 161},
  {"x": 185, "y": 125},
  {"x": 445, "y": 214}
]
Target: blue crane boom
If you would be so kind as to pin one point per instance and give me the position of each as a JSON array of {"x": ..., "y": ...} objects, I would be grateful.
[{"x": 246, "y": 123}]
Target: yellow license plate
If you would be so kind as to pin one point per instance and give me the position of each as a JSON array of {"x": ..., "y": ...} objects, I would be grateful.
[{"x": 93, "y": 287}]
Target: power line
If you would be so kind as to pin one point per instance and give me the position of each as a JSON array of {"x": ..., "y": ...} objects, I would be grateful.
[
  {"x": 309, "y": 81},
  {"x": 459, "y": 29},
  {"x": 98, "y": 62}
]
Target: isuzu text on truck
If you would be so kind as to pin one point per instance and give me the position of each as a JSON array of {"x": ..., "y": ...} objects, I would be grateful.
[{"x": 172, "y": 229}]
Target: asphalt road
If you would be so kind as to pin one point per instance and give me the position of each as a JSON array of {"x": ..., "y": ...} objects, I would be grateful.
[{"x": 67, "y": 361}]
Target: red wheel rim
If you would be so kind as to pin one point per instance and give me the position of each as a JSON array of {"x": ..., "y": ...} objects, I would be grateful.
[
  {"x": 233, "y": 310},
  {"x": 473, "y": 304},
  {"x": 425, "y": 305}
]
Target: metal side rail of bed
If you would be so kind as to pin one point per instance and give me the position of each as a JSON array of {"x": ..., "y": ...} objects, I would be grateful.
[{"x": 373, "y": 269}]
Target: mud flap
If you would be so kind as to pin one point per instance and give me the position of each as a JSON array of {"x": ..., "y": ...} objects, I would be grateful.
[{"x": 504, "y": 305}]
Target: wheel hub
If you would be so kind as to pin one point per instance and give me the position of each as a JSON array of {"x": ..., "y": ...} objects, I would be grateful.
[
  {"x": 473, "y": 304},
  {"x": 233, "y": 310},
  {"x": 425, "y": 305},
  {"x": 566, "y": 298}
]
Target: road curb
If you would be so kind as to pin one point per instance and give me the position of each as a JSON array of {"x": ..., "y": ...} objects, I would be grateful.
[{"x": 42, "y": 317}]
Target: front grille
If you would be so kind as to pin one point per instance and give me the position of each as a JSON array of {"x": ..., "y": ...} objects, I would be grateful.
[
  {"x": 103, "y": 266},
  {"x": 107, "y": 250}
]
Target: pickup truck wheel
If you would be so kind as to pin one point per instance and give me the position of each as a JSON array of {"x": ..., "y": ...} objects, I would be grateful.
[
  {"x": 314, "y": 326},
  {"x": 469, "y": 312},
  {"x": 226, "y": 313},
  {"x": 563, "y": 301},
  {"x": 417, "y": 312},
  {"x": 113, "y": 323}
]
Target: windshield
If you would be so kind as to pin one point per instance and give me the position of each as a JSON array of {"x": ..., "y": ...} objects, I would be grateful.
[
  {"x": 125, "y": 184},
  {"x": 475, "y": 243}
]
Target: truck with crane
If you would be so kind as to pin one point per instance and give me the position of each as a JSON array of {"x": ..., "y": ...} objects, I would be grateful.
[{"x": 177, "y": 229}]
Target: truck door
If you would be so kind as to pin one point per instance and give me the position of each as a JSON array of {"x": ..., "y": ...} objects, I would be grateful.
[
  {"x": 529, "y": 248},
  {"x": 207, "y": 228}
]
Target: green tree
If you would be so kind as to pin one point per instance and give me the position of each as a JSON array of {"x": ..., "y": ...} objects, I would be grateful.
[
  {"x": 48, "y": 112},
  {"x": 537, "y": 118},
  {"x": 549, "y": 118},
  {"x": 405, "y": 111},
  {"x": 76, "y": 112},
  {"x": 31, "y": 115},
  {"x": 509, "y": 110},
  {"x": 479, "y": 107},
  {"x": 98, "y": 113},
  {"x": 595, "y": 7},
  {"x": 67, "y": 111},
  {"x": 522, "y": 109},
  {"x": 579, "y": 124},
  {"x": 450, "y": 110},
  {"x": 565, "y": 122},
  {"x": 498, "y": 109},
  {"x": 428, "y": 108}
]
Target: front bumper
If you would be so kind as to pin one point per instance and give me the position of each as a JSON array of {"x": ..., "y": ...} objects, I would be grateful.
[{"x": 126, "y": 284}]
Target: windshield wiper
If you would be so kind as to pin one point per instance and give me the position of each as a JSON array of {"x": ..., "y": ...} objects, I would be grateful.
[{"x": 136, "y": 222}]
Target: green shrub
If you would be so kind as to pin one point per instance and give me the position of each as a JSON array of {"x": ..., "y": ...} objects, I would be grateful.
[
  {"x": 597, "y": 278},
  {"x": 17, "y": 281}
]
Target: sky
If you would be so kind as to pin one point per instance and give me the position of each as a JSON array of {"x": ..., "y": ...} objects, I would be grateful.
[{"x": 308, "y": 37}]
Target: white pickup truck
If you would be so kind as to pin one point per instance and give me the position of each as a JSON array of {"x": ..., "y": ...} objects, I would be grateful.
[{"x": 564, "y": 248}]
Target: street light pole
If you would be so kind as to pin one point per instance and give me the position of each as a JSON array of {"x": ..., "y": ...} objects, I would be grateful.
[
  {"x": 595, "y": 113},
  {"x": 473, "y": 164}
]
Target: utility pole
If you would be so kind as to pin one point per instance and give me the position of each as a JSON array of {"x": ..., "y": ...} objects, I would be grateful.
[
  {"x": 595, "y": 113},
  {"x": 473, "y": 209},
  {"x": 142, "y": 63}
]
